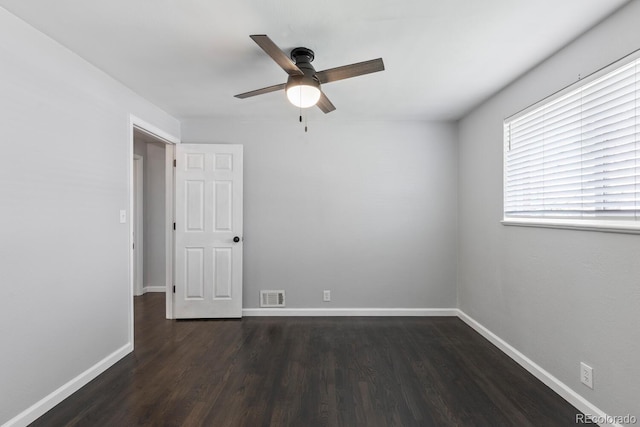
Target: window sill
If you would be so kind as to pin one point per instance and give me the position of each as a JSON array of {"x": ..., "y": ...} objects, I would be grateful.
[{"x": 585, "y": 225}]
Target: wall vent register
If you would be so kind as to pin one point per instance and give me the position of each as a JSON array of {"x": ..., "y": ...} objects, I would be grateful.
[{"x": 272, "y": 299}]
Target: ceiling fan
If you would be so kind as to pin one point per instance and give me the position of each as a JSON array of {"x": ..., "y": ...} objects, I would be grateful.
[{"x": 303, "y": 85}]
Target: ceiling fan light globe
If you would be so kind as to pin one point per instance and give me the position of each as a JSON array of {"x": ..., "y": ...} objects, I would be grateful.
[{"x": 303, "y": 96}]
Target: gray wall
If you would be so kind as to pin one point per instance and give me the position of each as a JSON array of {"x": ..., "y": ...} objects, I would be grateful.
[
  {"x": 558, "y": 296},
  {"x": 139, "y": 147},
  {"x": 64, "y": 255},
  {"x": 154, "y": 249},
  {"x": 154, "y": 216},
  {"x": 364, "y": 209}
]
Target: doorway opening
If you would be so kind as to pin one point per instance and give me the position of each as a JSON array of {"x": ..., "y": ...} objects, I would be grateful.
[{"x": 151, "y": 214}]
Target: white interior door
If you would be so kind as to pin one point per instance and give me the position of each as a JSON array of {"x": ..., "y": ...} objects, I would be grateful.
[{"x": 208, "y": 236}]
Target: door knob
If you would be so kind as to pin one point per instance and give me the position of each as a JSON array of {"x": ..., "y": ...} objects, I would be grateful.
[{"x": 236, "y": 239}]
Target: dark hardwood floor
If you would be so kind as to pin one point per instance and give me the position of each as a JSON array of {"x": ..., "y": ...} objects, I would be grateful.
[{"x": 297, "y": 371}]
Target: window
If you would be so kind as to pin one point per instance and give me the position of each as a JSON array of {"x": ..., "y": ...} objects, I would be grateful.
[{"x": 574, "y": 159}]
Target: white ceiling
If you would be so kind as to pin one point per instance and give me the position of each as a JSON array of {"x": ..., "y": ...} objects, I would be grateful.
[{"x": 190, "y": 57}]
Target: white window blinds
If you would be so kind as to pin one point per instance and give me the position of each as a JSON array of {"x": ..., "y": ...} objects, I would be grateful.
[{"x": 578, "y": 155}]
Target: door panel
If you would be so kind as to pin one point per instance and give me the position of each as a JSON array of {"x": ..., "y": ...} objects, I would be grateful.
[
  {"x": 208, "y": 217},
  {"x": 195, "y": 205},
  {"x": 222, "y": 272},
  {"x": 224, "y": 205},
  {"x": 195, "y": 273}
]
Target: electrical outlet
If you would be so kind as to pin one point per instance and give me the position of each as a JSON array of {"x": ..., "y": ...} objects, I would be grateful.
[
  {"x": 586, "y": 375},
  {"x": 326, "y": 297}
]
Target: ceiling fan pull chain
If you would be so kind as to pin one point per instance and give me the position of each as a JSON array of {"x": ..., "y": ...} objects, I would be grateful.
[{"x": 305, "y": 123}]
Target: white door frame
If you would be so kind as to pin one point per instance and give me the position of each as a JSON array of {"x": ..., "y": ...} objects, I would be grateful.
[
  {"x": 170, "y": 215},
  {"x": 137, "y": 218},
  {"x": 170, "y": 140}
]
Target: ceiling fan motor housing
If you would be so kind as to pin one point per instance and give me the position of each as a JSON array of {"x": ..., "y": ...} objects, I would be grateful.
[
  {"x": 302, "y": 54},
  {"x": 303, "y": 57}
]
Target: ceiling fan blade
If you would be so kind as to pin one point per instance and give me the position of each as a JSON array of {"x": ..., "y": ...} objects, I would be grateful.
[
  {"x": 277, "y": 54},
  {"x": 261, "y": 91},
  {"x": 348, "y": 71},
  {"x": 324, "y": 104}
]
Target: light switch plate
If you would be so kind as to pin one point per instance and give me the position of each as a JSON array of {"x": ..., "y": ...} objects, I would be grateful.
[{"x": 123, "y": 216}]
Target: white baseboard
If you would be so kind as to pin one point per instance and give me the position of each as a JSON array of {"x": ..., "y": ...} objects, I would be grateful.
[
  {"x": 537, "y": 371},
  {"x": 39, "y": 408},
  {"x": 349, "y": 312},
  {"x": 149, "y": 288}
]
